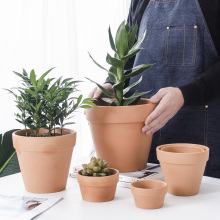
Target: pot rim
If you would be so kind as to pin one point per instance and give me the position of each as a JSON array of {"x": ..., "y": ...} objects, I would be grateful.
[
  {"x": 71, "y": 132},
  {"x": 183, "y": 158},
  {"x": 149, "y": 192},
  {"x": 184, "y": 145}
]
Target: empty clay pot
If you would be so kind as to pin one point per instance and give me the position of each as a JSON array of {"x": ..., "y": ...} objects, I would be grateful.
[
  {"x": 183, "y": 166},
  {"x": 117, "y": 135},
  {"x": 44, "y": 161},
  {"x": 98, "y": 189},
  {"x": 149, "y": 194}
]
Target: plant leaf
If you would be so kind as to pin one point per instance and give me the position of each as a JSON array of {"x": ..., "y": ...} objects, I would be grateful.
[
  {"x": 105, "y": 91},
  {"x": 132, "y": 36},
  {"x": 138, "y": 71},
  {"x": 108, "y": 100},
  {"x": 132, "y": 85},
  {"x": 138, "y": 43},
  {"x": 111, "y": 40},
  {"x": 121, "y": 40},
  {"x": 113, "y": 61},
  {"x": 33, "y": 79},
  {"x": 43, "y": 76}
]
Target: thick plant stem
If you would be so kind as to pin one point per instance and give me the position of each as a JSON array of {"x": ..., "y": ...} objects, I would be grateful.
[{"x": 119, "y": 92}]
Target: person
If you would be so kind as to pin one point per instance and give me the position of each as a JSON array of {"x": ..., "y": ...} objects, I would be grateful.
[{"x": 183, "y": 39}]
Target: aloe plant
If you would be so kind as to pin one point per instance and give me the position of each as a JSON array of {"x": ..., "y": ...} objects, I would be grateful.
[
  {"x": 124, "y": 48},
  {"x": 43, "y": 105},
  {"x": 97, "y": 168}
]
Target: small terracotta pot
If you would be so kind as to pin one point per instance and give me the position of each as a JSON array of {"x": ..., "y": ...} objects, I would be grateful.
[
  {"x": 117, "y": 134},
  {"x": 44, "y": 161},
  {"x": 183, "y": 166},
  {"x": 98, "y": 189},
  {"x": 149, "y": 194}
]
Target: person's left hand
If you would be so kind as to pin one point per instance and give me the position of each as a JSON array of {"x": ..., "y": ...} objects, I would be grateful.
[{"x": 171, "y": 100}]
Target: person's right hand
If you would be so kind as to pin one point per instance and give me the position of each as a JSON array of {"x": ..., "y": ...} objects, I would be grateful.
[{"x": 97, "y": 93}]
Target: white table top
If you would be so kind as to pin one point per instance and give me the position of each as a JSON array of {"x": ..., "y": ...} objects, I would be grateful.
[{"x": 205, "y": 205}]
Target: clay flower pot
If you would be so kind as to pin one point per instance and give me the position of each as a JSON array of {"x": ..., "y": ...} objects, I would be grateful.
[
  {"x": 149, "y": 194},
  {"x": 117, "y": 135},
  {"x": 183, "y": 166},
  {"x": 44, "y": 161},
  {"x": 98, "y": 189}
]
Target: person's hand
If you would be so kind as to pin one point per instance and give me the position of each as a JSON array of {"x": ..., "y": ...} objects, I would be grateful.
[
  {"x": 97, "y": 93},
  {"x": 171, "y": 100}
]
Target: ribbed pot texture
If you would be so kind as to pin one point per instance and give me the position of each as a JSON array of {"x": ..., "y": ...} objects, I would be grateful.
[
  {"x": 183, "y": 166},
  {"x": 98, "y": 189},
  {"x": 117, "y": 135},
  {"x": 44, "y": 161},
  {"x": 149, "y": 194}
]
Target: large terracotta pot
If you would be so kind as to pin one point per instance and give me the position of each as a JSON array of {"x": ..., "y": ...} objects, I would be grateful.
[
  {"x": 44, "y": 161},
  {"x": 98, "y": 189},
  {"x": 183, "y": 166},
  {"x": 149, "y": 194},
  {"x": 117, "y": 135}
]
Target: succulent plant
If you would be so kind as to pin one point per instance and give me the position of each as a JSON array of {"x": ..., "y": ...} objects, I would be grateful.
[
  {"x": 124, "y": 48},
  {"x": 97, "y": 168}
]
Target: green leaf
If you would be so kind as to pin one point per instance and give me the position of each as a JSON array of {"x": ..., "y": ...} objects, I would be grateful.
[
  {"x": 113, "y": 61},
  {"x": 56, "y": 99},
  {"x": 138, "y": 43},
  {"x": 85, "y": 106},
  {"x": 138, "y": 70},
  {"x": 113, "y": 74},
  {"x": 52, "y": 89},
  {"x": 29, "y": 91},
  {"x": 25, "y": 73},
  {"x": 105, "y": 91},
  {"x": 66, "y": 80},
  {"x": 8, "y": 158},
  {"x": 111, "y": 40},
  {"x": 108, "y": 100},
  {"x": 49, "y": 117},
  {"x": 89, "y": 103},
  {"x": 36, "y": 117},
  {"x": 132, "y": 36},
  {"x": 38, "y": 106},
  {"x": 121, "y": 40},
  {"x": 131, "y": 54},
  {"x": 119, "y": 86},
  {"x": 131, "y": 86},
  {"x": 44, "y": 83},
  {"x": 33, "y": 79},
  {"x": 43, "y": 76},
  {"x": 20, "y": 75}
]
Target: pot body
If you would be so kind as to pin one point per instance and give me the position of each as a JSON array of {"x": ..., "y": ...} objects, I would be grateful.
[
  {"x": 149, "y": 194},
  {"x": 44, "y": 161},
  {"x": 98, "y": 189},
  {"x": 117, "y": 135},
  {"x": 183, "y": 166}
]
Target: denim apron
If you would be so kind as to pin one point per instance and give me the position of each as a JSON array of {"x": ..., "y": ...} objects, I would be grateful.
[{"x": 179, "y": 42}]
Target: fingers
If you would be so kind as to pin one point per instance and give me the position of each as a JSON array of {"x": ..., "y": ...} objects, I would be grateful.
[
  {"x": 158, "y": 96},
  {"x": 171, "y": 100}
]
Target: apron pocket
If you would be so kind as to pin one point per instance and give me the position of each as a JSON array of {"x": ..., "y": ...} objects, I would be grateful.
[{"x": 180, "y": 45}]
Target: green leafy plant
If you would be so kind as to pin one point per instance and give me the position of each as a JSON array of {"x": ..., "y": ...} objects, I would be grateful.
[
  {"x": 124, "y": 48},
  {"x": 96, "y": 167},
  {"x": 46, "y": 105}
]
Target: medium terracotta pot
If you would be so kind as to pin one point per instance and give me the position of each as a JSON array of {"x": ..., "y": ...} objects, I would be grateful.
[
  {"x": 44, "y": 161},
  {"x": 183, "y": 166},
  {"x": 117, "y": 135},
  {"x": 149, "y": 194},
  {"x": 98, "y": 189}
]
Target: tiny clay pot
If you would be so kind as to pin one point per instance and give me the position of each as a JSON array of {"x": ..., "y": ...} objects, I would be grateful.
[
  {"x": 98, "y": 189},
  {"x": 183, "y": 166},
  {"x": 149, "y": 194}
]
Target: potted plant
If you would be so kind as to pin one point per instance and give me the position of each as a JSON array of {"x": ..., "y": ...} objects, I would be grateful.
[
  {"x": 44, "y": 147},
  {"x": 116, "y": 124},
  {"x": 183, "y": 167},
  {"x": 97, "y": 181}
]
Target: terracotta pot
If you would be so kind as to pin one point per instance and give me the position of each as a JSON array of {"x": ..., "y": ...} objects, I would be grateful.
[
  {"x": 183, "y": 166},
  {"x": 149, "y": 194},
  {"x": 98, "y": 189},
  {"x": 44, "y": 161},
  {"x": 117, "y": 135}
]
